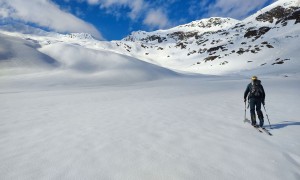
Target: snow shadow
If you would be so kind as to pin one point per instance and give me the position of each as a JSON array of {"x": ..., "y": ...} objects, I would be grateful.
[
  {"x": 285, "y": 124},
  {"x": 16, "y": 52},
  {"x": 277, "y": 126}
]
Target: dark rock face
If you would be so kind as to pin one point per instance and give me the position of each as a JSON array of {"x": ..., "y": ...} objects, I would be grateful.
[
  {"x": 192, "y": 34},
  {"x": 210, "y": 58},
  {"x": 177, "y": 35},
  {"x": 181, "y": 45},
  {"x": 277, "y": 13},
  {"x": 293, "y": 16},
  {"x": 213, "y": 49},
  {"x": 256, "y": 33},
  {"x": 154, "y": 38},
  {"x": 238, "y": 26},
  {"x": 280, "y": 61},
  {"x": 241, "y": 51},
  {"x": 201, "y": 41},
  {"x": 202, "y": 50},
  {"x": 193, "y": 52},
  {"x": 180, "y": 35}
]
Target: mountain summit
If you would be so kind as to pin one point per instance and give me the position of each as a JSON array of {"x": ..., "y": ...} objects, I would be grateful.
[{"x": 211, "y": 23}]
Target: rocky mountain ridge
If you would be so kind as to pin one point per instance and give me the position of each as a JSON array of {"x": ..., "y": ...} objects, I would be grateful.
[
  {"x": 266, "y": 41},
  {"x": 179, "y": 32},
  {"x": 215, "y": 42}
]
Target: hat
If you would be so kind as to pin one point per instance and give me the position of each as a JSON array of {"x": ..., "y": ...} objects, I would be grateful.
[{"x": 254, "y": 78}]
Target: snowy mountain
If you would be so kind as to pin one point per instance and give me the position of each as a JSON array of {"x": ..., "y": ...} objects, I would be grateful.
[
  {"x": 266, "y": 40},
  {"x": 177, "y": 33},
  {"x": 214, "y": 23}
]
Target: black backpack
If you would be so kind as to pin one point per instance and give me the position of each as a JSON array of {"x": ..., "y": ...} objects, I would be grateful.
[{"x": 256, "y": 89}]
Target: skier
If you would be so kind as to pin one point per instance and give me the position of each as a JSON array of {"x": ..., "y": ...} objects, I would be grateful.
[{"x": 256, "y": 98}]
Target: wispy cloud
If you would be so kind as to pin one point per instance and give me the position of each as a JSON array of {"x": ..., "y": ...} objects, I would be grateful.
[
  {"x": 138, "y": 9},
  {"x": 231, "y": 8},
  {"x": 46, "y": 14},
  {"x": 136, "y": 6},
  {"x": 156, "y": 18}
]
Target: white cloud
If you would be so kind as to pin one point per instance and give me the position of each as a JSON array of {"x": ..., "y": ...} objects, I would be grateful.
[
  {"x": 93, "y": 1},
  {"x": 156, "y": 18},
  {"x": 232, "y": 8},
  {"x": 5, "y": 10},
  {"x": 46, "y": 14},
  {"x": 136, "y": 6},
  {"x": 138, "y": 9}
]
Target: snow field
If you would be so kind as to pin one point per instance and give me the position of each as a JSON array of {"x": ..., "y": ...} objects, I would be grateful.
[{"x": 178, "y": 128}]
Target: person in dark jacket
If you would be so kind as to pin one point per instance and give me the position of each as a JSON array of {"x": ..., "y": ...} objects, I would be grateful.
[{"x": 256, "y": 97}]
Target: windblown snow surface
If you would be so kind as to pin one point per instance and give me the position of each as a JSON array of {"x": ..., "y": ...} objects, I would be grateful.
[
  {"x": 169, "y": 128},
  {"x": 115, "y": 117}
]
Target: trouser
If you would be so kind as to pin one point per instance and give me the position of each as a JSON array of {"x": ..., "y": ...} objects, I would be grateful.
[{"x": 256, "y": 104}]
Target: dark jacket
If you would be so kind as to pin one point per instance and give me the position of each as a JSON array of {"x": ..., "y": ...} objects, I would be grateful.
[{"x": 248, "y": 90}]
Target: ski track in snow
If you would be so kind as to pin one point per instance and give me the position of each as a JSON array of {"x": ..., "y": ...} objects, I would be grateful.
[{"x": 178, "y": 128}]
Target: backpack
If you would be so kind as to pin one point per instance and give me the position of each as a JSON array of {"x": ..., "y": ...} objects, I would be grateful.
[{"x": 256, "y": 90}]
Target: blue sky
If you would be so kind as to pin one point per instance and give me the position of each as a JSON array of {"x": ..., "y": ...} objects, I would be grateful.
[{"x": 115, "y": 19}]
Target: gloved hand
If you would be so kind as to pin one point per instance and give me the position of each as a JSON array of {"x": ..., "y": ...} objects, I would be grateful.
[{"x": 263, "y": 102}]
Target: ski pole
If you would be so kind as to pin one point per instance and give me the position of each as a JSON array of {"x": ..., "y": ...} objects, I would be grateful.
[
  {"x": 245, "y": 112},
  {"x": 267, "y": 116}
]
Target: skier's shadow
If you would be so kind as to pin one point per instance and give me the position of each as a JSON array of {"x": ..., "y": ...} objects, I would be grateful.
[
  {"x": 285, "y": 124},
  {"x": 279, "y": 125}
]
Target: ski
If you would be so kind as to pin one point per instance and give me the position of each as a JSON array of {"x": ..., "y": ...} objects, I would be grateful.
[
  {"x": 248, "y": 121},
  {"x": 266, "y": 131},
  {"x": 258, "y": 129}
]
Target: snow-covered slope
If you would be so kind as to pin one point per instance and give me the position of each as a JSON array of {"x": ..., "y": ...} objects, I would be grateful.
[
  {"x": 264, "y": 43},
  {"x": 22, "y": 55},
  {"x": 267, "y": 40},
  {"x": 68, "y": 55},
  {"x": 104, "y": 64}
]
